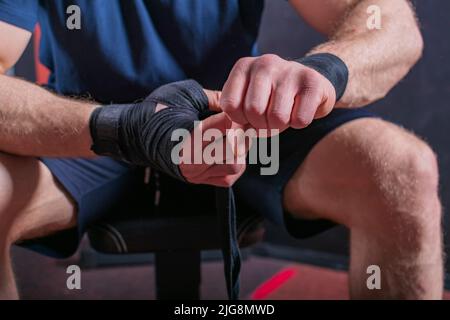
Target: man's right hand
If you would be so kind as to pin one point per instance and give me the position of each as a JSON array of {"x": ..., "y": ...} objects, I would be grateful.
[{"x": 143, "y": 134}]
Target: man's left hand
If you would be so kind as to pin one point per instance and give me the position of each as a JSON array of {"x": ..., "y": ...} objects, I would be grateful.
[{"x": 268, "y": 92}]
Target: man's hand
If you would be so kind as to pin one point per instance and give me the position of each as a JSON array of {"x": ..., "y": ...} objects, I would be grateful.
[
  {"x": 377, "y": 57},
  {"x": 148, "y": 133},
  {"x": 221, "y": 175},
  {"x": 269, "y": 92},
  {"x": 217, "y": 174}
]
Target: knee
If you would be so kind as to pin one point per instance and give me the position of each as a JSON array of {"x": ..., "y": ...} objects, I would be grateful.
[
  {"x": 404, "y": 188},
  {"x": 6, "y": 183},
  {"x": 408, "y": 177},
  {"x": 6, "y": 187},
  {"x": 421, "y": 166},
  {"x": 13, "y": 173}
]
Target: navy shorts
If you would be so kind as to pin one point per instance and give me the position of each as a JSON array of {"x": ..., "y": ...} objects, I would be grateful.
[{"x": 103, "y": 187}]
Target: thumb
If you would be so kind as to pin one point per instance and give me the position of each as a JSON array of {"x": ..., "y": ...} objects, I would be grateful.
[
  {"x": 218, "y": 121},
  {"x": 235, "y": 139},
  {"x": 213, "y": 99}
]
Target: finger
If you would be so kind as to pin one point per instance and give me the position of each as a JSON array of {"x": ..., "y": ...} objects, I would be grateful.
[
  {"x": 305, "y": 106},
  {"x": 220, "y": 164},
  {"x": 213, "y": 99},
  {"x": 194, "y": 149},
  {"x": 323, "y": 110},
  {"x": 281, "y": 105},
  {"x": 210, "y": 132},
  {"x": 223, "y": 181},
  {"x": 222, "y": 170},
  {"x": 327, "y": 105},
  {"x": 218, "y": 121},
  {"x": 222, "y": 123},
  {"x": 229, "y": 149},
  {"x": 231, "y": 99},
  {"x": 257, "y": 99},
  {"x": 237, "y": 146}
]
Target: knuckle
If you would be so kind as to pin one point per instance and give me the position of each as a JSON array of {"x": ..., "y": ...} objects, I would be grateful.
[
  {"x": 269, "y": 58},
  {"x": 278, "y": 117},
  {"x": 300, "y": 122},
  {"x": 229, "y": 104},
  {"x": 242, "y": 63},
  {"x": 254, "y": 109},
  {"x": 266, "y": 64},
  {"x": 245, "y": 60}
]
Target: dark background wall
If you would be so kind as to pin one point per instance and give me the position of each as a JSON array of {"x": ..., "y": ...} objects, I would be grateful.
[{"x": 421, "y": 102}]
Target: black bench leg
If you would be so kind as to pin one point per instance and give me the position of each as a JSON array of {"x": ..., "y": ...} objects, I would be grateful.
[{"x": 178, "y": 275}]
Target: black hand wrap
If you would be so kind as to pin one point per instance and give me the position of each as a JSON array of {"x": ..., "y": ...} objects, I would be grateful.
[
  {"x": 331, "y": 67},
  {"x": 138, "y": 134}
]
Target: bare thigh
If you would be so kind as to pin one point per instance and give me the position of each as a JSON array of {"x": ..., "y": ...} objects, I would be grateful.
[
  {"x": 363, "y": 166},
  {"x": 32, "y": 203}
]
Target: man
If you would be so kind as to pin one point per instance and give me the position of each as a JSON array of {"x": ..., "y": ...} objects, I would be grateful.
[{"x": 345, "y": 167}]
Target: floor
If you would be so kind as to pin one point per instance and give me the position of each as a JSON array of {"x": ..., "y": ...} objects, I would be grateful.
[{"x": 39, "y": 277}]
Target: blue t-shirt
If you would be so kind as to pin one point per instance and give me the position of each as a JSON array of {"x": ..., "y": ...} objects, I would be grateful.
[{"x": 127, "y": 48}]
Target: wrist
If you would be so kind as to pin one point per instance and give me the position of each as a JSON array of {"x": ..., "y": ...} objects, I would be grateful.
[
  {"x": 331, "y": 67},
  {"x": 104, "y": 125}
]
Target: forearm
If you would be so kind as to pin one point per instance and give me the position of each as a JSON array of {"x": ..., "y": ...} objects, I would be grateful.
[
  {"x": 35, "y": 122},
  {"x": 377, "y": 59}
]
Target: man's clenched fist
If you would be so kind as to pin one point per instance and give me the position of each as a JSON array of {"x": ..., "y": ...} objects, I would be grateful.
[{"x": 268, "y": 92}]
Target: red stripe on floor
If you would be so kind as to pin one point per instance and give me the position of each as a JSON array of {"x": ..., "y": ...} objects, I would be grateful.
[
  {"x": 306, "y": 282},
  {"x": 273, "y": 284}
]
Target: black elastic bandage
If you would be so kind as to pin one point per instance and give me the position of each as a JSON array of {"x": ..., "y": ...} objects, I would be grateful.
[
  {"x": 331, "y": 67},
  {"x": 137, "y": 134}
]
